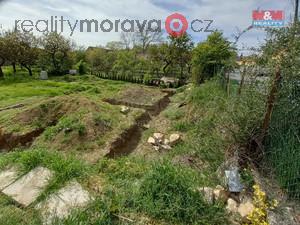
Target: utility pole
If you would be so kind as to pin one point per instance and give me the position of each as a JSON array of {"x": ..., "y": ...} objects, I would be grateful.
[{"x": 296, "y": 11}]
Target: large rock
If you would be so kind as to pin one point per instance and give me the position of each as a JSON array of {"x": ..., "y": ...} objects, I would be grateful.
[
  {"x": 232, "y": 206},
  {"x": 61, "y": 204},
  {"x": 30, "y": 186},
  {"x": 174, "y": 139},
  {"x": 208, "y": 194},
  {"x": 246, "y": 208},
  {"x": 7, "y": 177}
]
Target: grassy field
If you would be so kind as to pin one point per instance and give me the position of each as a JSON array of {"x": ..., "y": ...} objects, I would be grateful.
[{"x": 145, "y": 187}]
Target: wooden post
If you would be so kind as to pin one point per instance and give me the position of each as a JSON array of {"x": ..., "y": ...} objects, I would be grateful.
[{"x": 270, "y": 104}]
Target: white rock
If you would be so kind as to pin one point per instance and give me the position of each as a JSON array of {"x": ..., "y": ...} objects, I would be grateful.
[
  {"x": 146, "y": 126},
  {"x": 151, "y": 141},
  {"x": 174, "y": 139},
  {"x": 208, "y": 194},
  {"x": 156, "y": 148},
  {"x": 7, "y": 177},
  {"x": 166, "y": 142},
  {"x": 61, "y": 204},
  {"x": 125, "y": 109},
  {"x": 245, "y": 209},
  {"x": 220, "y": 194},
  {"x": 166, "y": 147},
  {"x": 232, "y": 206},
  {"x": 30, "y": 186},
  {"x": 158, "y": 136}
]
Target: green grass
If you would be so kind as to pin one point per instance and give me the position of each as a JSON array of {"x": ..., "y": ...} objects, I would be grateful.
[{"x": 134, "y": 187}]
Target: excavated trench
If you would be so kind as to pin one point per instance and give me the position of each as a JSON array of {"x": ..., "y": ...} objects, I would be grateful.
[
  {"x": 128, "y": 141},
  {"x": 10, "y": 141}
]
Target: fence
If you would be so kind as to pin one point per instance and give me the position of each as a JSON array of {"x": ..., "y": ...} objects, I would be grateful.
[
  {"x": 282, "y": 144},
  {"x": 150, "y": 78}
]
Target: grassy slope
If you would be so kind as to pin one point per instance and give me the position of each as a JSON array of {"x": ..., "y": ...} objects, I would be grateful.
[{"x": 143, "y": 189}]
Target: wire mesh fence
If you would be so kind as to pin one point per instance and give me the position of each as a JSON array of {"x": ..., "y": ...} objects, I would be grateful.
[{"x": 282, "y": 144}]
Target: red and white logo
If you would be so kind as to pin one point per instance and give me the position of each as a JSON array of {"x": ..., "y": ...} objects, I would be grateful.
[{"x": 176, "y": 25}]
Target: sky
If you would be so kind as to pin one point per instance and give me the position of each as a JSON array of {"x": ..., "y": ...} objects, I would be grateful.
[{"x": 227, "y": 15}]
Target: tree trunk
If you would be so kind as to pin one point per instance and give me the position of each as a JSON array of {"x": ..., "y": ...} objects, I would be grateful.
[
  {"x": 14, "y": 68},
  {"x": 29, "y": 69},
  {"x": 1, "y": 72}
]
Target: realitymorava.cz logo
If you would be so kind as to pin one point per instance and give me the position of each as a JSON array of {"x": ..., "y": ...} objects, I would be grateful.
[{"x": 175, "y": 24}]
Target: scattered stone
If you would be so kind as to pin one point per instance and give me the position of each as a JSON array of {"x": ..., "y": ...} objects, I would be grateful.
[
  {"x": 221, "y": 194},
  {"x": 61, "y": 204},
  {"x": 174, "y": 139},
  {"x": 208, "y": 194},
  {"x": 166, "y": 142},
  {"x": 232, "y": 206},
  {"x": 7, "y": 177},
  {"x": 29, "y": 187},
  {"x": 156, "y": 148},
  {"x": 125, "y": 109},
  {"x": 159, "y": 137},
  {"x": 166, "y": 147},
  {"x": 246, "y": 208},
  {"x": 146, "y": 126},
  {"x": 151, "y": 141}
]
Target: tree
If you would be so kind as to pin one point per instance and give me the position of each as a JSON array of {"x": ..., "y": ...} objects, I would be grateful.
[
  {"x": 145, "y": 37},
  {"x": 12, "y": 47},
  {"x": 3, "y": 54},
  {"x": 181, "y": 48},
  {"x": 101, "y": 60},
  {"x": 210, "y": 56},
  {"x": 28, "y": 51},
  {"x": 127, "y": 39},
  {"x": 56, "y": 52}
]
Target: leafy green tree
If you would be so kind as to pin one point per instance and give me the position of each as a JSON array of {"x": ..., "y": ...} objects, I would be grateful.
[
  {"x": 28, "y": 51},
  {"x": 56, "y": 53},
  {"x": 210, "y": 56},
  {"x": 100, "y": 59},
  {"x": 181, "y": 52},
  {"x": 3, "y": 54}
]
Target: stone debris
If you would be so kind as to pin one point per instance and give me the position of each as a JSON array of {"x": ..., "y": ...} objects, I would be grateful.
[
  {"x": 174, "y": 139},
  {"x": 160, "y": 143},
  {"x": 158, "y": 137},
  {"x": 221, "y": 194},
  {"x": 151, "y": 141},
  {"x": 7, "y": 177},
  {"x": 125, "y": 109},
  {"x": 232, "y": 206},
  {"x": 208, "y": 194},
  {"x": 28, "y": 188},
  {"x": 61, "y": 204},
  {"x": 245, "y": 209}
]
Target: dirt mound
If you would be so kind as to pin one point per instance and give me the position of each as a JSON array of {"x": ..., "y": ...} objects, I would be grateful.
[
  {"x": 49, "y": 112},
  {"x": 47, "y": 115}
]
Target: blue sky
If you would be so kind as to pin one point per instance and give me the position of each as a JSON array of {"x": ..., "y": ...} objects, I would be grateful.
[{"x": 228, "y": 15}]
